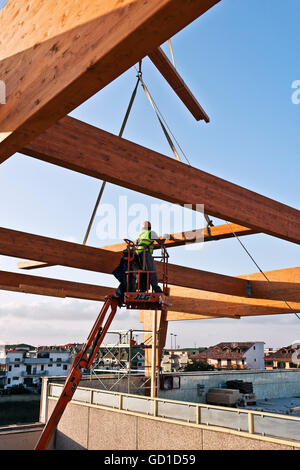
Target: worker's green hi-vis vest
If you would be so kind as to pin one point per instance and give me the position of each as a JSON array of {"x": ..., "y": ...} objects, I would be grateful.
[{"x": 145, "y": 242}]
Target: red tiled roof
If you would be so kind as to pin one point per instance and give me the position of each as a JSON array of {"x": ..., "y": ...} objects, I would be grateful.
[
  {"x": 281, "y": 354},
  {"x": 227, "y": 350}
]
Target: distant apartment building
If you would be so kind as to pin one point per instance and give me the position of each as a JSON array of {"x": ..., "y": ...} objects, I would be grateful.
[
  {"x": 282, "y": 358},
  {"x": 239, "y": 355},
  {"x": 177, "y": 359},
  {"x": 26, "y": 367}
]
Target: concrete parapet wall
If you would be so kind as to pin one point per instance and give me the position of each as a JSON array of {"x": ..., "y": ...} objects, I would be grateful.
[{"x": 93, "y": 428}]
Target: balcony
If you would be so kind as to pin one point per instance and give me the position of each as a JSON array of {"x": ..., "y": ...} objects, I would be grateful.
[{"x": 41, "y": 373}]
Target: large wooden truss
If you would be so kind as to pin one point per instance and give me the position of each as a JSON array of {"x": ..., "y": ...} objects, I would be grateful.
[{"x": 53, "y": 57}]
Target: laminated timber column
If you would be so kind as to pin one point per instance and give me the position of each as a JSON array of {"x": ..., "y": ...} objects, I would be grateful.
[{"x": 151, "y": 318}]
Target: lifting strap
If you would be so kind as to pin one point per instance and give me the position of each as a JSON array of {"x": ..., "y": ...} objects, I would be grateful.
[
  {"x": 166, "y": 133},
  {"x": 169, "y": 140},
  {"x": 171, "y": 50},
  {"x": 209, "y": 222},
  {"x": 104, "y": 182}
]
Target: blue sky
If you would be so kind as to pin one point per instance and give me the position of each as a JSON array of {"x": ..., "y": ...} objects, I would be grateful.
[{"x": 240, "y": 60}]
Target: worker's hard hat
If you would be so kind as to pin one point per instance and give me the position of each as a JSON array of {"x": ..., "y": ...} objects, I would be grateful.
[{"x": 147, "y": 224}]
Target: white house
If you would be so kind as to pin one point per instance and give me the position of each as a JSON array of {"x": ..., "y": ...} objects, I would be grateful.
[
  {"x": 27, "y": 367},
  {"x": 240, "y": 355}
]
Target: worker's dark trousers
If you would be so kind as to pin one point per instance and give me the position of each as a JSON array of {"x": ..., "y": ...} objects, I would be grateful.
[{"x": 149, "y": 261}]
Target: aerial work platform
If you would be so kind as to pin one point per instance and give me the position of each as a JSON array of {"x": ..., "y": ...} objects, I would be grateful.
[{"x": 138, "y": 294}]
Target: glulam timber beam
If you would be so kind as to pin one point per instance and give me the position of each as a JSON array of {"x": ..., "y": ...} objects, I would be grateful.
[
  {"x": 104, "y": 38},
  {"x": 182, "y": 316},
  {"x": 26, "y": 245},
  {"x": 169, "y": 72},
  {"x": 20, "y": 244},
  {"x": 52, "y": 287},
  {"x": 180, "y": 299},
  {"x": 58, "y": 252},
  {"x": 25, "y": 283},
  {"x": 284, "y": 284},
  {"x": 222, "y": 309},
  {"x": 212, "y": 303},
  {"x": 218, "y": 232},
  {"x": 83, "y": 148},
  {"x": 28, "y": 284}
]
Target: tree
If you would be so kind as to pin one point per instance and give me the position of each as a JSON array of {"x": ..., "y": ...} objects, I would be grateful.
[{"x": 197, "y": 365}]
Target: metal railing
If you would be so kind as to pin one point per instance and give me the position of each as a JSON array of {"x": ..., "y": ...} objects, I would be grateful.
[
  {"x": 41, "y": 373},
  {"x": 247, "y": 421}
]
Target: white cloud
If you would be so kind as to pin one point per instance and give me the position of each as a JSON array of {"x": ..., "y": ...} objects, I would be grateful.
[
  {"x": 60, "y": 321},
  {"x": 55, "y": 321}
]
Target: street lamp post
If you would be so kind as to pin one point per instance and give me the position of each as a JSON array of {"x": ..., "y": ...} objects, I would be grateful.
[{"x": 171, "y": 334}]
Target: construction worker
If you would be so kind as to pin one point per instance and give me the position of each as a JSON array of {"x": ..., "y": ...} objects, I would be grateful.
[{"x": 145, "y": 246}]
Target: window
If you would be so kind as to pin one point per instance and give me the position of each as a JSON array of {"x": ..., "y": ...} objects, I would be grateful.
[
  {"x": 17, "y": 365},
  {"x": 15, "y": 378},
  {"x": 65, "y": 367},
  {"x": 49, "y": 365},
  {"x": 17, "y": 359},
  {"x": 9, "y": 368},
  {"x": 58, "y": 365},
  {"x": 169, "y": 382},
  {"x": 42, "y": 367}
]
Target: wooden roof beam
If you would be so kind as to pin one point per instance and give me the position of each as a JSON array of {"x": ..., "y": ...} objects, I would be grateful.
[
  {"x": 201, "y": 298},
  {"x": 83, "y": 148},
  {"x": 218, "y": 232},
  {"x": 103, "y": 37},
  {"x": 57, "y": 252},
  {"x": 169, "y": 72},
  {"x": 284, "y": 284},
  {"x": 14, "y": 243},
  {"x": 192, "y": 307},
  {"x": 182, "y": 316},
  {"x": 52, "y": 287}
]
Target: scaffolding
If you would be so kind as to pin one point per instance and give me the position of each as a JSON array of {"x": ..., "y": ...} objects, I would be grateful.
[{"x": 123, "y": 361}]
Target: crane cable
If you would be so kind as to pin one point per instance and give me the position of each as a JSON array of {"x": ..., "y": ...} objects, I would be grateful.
[{"x": 270, "y": 283}]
